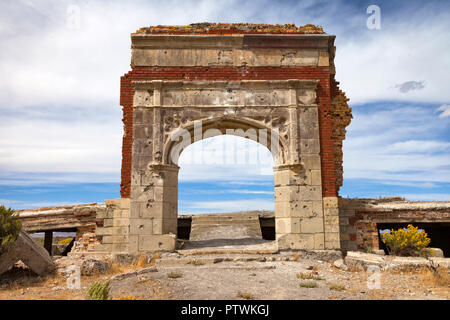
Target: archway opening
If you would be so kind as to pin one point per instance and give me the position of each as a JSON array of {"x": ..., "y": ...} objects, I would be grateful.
[{"x": 223, "y": 179}]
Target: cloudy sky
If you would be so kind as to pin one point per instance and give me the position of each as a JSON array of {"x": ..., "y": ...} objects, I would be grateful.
[{"x": 61, "y": 61}]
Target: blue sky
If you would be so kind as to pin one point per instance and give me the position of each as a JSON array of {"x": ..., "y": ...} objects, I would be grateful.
[{"x": 60, "y": 139}]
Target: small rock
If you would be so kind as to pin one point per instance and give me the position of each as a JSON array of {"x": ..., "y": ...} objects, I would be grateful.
[
  {"x": 122, "y": 276},
  {"x": 437, "y": 252},
  {"x": 339, "y": 263},
  {"x": 361, "y": 260},
  {"x": 124, "y": 258},
  {"x": 380, "y": 252},
  {"x": 147, "y": 270},
  {"x": 57, "y": 288},
  {"x": 92, "y": 266}
]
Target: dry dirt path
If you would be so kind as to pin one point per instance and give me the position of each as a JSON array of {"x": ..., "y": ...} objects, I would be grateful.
[
  {"x": 277, "y": 280},
  {"x": 237, "y": 280}
]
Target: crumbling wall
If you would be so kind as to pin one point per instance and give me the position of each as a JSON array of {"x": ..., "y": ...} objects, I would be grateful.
[
  {"x": 85, "y": 239},
  {"x": 358, "y": 218},
  {"x": 341, "y": 115}
]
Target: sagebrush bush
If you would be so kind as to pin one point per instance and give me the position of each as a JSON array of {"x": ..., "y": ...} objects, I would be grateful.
[
  {"x": 65, "y": 241},
  {"x": 409, "y": 242},
  {"x": 98, "y": 291},
  {"x": 9, "y": 228}
]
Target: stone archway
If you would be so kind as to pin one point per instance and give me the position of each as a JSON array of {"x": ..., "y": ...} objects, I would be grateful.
[
  {"x": 231, "y": 76},
  {"x": 274, "y": 112}
]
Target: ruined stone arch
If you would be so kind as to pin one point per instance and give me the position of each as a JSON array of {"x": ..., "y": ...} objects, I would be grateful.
[{"x": 232, "y": 75}]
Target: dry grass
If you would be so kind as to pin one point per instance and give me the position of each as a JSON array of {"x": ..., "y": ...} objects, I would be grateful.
[
  {"x": 141, "y": 262},
  {"x": 26, "y": 285},
  {"x": 308, "y": 284},
  {"x": 313, "y": 268},
  {"x": 438, "y": 278},
  {"x": 174, "y": 275},
  {"x": 308, "y": 276},
  {"x": 336, "y": 287},
  {"x": 38, "y": 288},
  {"x": 245, "y": 295},
  {"x": 196, "y": 262},
  {"x": 155, "y": 257}
]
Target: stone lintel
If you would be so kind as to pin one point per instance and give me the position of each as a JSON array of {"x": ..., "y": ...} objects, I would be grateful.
[{"x": 234, "y": 41}]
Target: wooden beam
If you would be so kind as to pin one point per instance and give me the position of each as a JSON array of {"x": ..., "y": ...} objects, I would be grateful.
[{"x": 48, "y": 241}]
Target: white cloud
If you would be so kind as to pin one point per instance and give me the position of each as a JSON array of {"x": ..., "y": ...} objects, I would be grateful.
[
  {"x": 226, "y": 206},
  {"x": 44, "y": 62},
  {"x": 427, "y": 185},
  {"x": 445, "y": 111},
  {"x": 418, "y": 146},
  {"x": 77, "y": 73},
  {"x": 382, "y": 144},
  {"x": 370, "y": 67},
  {"x": 243, "y": 191},
  {"x": 225, "y": 157},
  {"x": 37, "y": 145},
  {"x": 427, "y": 196}
]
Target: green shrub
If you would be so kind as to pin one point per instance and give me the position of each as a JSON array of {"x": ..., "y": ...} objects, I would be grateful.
[
  {"x": 98, "y": 291},
  {"x": 9, "y": 228}
]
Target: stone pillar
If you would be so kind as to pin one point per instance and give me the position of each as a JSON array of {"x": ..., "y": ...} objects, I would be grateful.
[
  {"x": 153, "y": 211},
  {"x": 331, "y": 222},
  {"x": 298, "y": 208},
  {"x": 114, "y": 232}
]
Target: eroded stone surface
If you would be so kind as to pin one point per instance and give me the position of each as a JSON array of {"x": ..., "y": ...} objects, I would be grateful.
[{"x": 32, "y": 254}]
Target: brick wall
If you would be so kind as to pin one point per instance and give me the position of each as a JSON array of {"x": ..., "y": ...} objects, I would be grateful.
[
  {"x": 85, "y": 239},
  {"x": 233, "y": 74}
]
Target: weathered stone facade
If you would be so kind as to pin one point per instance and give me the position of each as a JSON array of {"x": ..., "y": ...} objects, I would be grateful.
[{"x": 272, "y": 84}]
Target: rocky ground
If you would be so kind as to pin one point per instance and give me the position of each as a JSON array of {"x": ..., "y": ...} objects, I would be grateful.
[{"x": 291, "y": 275}]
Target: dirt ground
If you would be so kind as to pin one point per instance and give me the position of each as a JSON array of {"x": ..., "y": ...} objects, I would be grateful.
[{"x": 287, "y": 280}]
